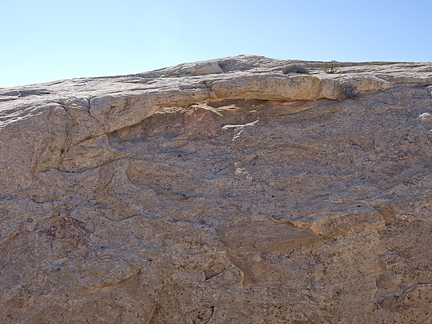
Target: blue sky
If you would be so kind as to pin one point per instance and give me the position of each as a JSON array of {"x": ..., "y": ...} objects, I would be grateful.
[{"x": 45, "y": 40}]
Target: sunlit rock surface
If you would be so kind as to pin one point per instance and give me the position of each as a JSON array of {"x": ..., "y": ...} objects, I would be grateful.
[{"x": 219, "y": 192}]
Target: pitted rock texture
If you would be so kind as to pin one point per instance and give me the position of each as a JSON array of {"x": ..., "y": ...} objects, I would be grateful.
[{"x": 219, "y": 192}]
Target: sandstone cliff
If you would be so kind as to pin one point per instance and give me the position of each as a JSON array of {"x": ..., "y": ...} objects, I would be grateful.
[{"x": 222, "y": 191}]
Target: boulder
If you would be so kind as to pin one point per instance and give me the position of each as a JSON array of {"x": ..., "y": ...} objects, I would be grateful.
[{"x": 222, "y": 191}]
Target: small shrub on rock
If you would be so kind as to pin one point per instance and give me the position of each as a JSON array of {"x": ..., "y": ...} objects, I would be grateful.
[
  {"x": 349, "y": 90},
  {"x": 295, "y": 68},
  {"x": 330, "y": 67}
]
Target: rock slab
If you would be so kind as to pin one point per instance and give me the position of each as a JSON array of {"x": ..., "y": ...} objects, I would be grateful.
[{"x": 222, "y": 191}]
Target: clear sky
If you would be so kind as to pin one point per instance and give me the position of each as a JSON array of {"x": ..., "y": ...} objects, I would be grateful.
[{"x": 44, "y": 40}]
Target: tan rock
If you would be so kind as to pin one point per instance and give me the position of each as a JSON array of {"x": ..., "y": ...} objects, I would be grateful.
[
  {"x": 202, "y": 69},
  {"x": 89, "y": 154},
  {"x": 219, "y": 191}
]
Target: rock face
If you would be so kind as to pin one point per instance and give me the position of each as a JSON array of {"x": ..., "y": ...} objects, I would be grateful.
[{"x": 219, "y": 192}]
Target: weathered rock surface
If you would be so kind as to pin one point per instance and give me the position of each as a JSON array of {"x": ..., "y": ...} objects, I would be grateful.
[{"x": 219, "y": 192}]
